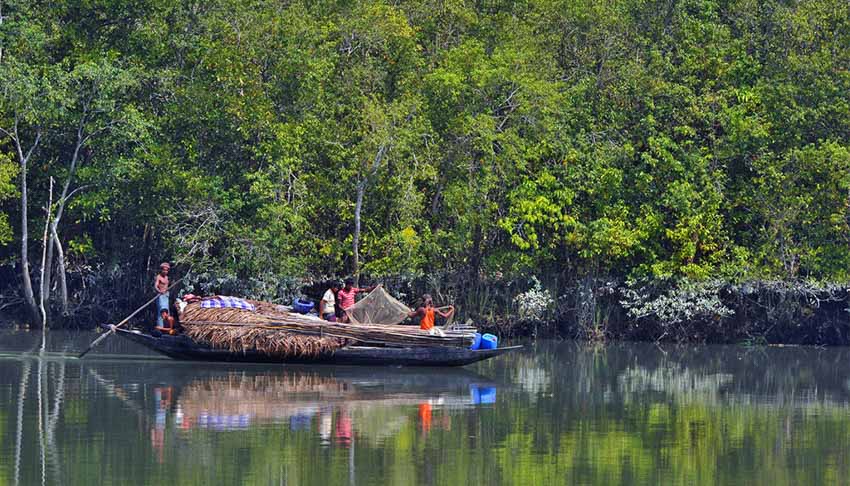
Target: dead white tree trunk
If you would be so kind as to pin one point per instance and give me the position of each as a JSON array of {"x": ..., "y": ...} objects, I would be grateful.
[
  {"x": 55, "y": 242},
  {"x": 358, "y": 207},
  {"x": 46, "y": 262},
  {"x": 60, "y": 270},
  {"x": 23, "y": 159},
  {"x": 355, "y": 241},
  {"x": 44, "y": 246}
]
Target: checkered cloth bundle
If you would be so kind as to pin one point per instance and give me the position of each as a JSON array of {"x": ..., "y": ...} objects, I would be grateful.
[{"x": 224, "y": 301}]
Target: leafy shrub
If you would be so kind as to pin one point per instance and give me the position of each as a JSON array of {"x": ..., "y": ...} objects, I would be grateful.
[{"x": 535, "y": 303}]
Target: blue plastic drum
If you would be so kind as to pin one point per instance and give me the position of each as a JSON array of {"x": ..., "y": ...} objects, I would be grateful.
[
  {"x": 489, "y": 341},
  {"x": 302, "y": 306},
  {"x": 476, "y": 342}
]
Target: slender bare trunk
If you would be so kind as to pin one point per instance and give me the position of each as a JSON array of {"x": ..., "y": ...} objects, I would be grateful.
[
  {"x": 29, "y": 296},
  {"x": 358, "y": 207},
  {"x": 55, "y": 242},
  {"x": 44, "y": 250},
  {"x": 60, "y": 270},
  {"x": 47, "y": 262}
]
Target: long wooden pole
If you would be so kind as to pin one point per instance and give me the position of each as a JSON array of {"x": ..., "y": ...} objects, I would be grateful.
[{"x": 112, "y": 329}]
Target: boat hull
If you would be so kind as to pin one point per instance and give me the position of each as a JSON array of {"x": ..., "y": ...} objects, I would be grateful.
[{"x": 182, "y": 347}]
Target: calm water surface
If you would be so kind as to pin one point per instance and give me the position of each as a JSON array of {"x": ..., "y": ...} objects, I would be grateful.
[{"x": 556, "y": 413}]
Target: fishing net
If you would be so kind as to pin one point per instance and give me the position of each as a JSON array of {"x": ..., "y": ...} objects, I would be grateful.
[
  {"x": 378, "y": 307},
  {"x": 449, "y": 320}
]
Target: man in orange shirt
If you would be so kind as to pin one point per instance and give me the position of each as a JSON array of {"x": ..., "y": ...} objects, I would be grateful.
[{"x": 427, "y": 312}]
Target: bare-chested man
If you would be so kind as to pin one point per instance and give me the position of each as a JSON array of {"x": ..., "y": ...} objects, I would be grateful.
[{"x": 161, "y": 287}]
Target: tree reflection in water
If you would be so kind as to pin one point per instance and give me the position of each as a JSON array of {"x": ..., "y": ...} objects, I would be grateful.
[{"x": 558, "y": 413}]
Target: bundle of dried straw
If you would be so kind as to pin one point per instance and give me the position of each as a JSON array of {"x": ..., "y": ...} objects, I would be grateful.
[
  {"x": 276, "y": 332},
  {"x": 205, "y": 326}
]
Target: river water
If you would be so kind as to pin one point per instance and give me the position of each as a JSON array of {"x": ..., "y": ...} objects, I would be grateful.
[{"x": 555, "y": 413}]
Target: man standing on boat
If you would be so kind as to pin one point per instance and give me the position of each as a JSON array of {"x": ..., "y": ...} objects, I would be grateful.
[
  {"x": 160, "y": 285},
  {"x": 347, "y": 294},
  {"x": 427, "y": 312}
]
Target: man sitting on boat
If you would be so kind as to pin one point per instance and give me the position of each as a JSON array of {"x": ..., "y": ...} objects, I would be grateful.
[{"x": 167, "y": 323}]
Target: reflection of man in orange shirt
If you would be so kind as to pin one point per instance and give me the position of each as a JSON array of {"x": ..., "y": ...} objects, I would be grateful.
[{"x": 425, "y": 416}]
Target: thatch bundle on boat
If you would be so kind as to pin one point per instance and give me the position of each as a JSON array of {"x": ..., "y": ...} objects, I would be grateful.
[
  {"x": 273, "y": 342},
  {"x": 273, "y": 330},
  {"x": 209, "y": 326}
]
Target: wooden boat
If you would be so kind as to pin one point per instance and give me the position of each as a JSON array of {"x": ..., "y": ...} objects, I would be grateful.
[{"x": 183, "y": 348}]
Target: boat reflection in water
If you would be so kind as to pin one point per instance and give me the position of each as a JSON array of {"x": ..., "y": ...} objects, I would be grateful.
[{"x": 324, "y": 401}]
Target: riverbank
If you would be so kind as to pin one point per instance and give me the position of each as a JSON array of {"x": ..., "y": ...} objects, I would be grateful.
[{"x": 752, "y": 312}]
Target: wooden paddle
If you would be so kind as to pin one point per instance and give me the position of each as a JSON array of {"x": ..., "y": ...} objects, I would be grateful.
[{"x": 112, "y": 329}]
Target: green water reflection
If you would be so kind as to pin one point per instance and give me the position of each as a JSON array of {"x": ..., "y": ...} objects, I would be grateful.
[{"x": 556, "y": 413}]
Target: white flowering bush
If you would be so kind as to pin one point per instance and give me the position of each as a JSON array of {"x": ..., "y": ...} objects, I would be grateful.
[
  {"x": 687, "y": 302},
  {"x": 534, "y": 303}
]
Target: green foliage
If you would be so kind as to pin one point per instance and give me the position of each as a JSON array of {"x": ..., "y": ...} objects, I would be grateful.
[
  {"x": 683, "y": 141},
  {"x": 8, "y": 190}
]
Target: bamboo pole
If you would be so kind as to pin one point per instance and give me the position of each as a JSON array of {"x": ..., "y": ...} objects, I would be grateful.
[{"x": 112, "y": 328}]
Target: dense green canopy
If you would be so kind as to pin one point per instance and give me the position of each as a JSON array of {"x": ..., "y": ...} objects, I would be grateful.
[{"x": 487, "y": 141}]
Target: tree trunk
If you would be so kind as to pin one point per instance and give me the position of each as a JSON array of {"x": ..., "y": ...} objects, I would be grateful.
[
  {"x": 45, "y": 244},
  {"x": 358, "y": 206},
  {"x": 47, "y": 261},
  {"x": 29, "y": 297},
  {"x": 60, "y": 270},
  {"x": 54, "y": 225},
  {"x": 54, "y": 242}
]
